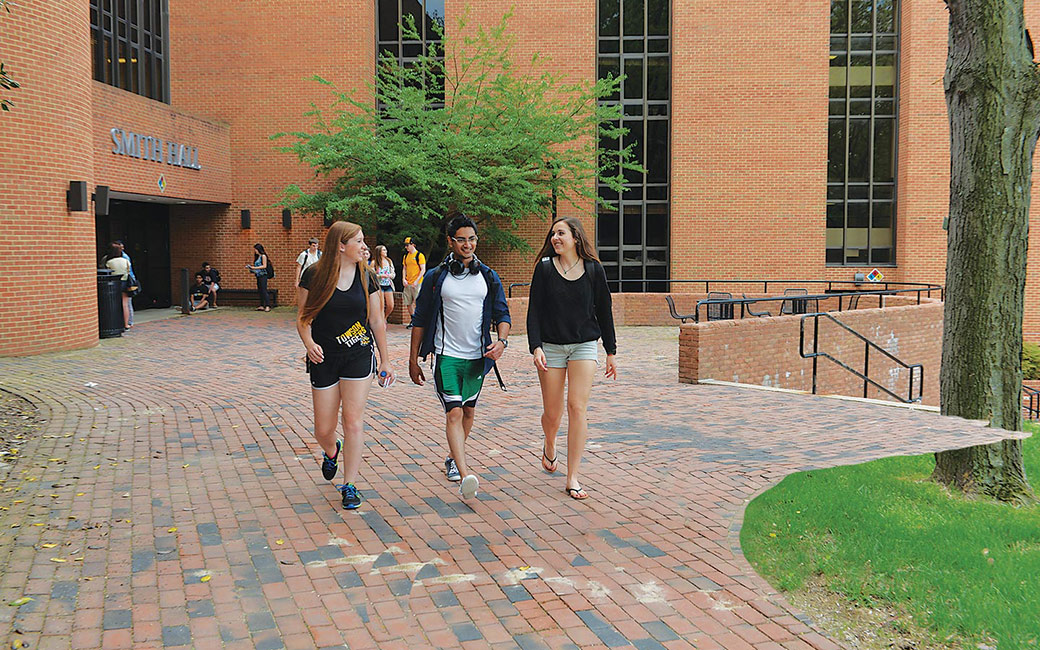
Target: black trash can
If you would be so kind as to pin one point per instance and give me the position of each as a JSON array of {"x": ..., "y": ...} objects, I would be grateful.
[{"x": 110, "y": 304}]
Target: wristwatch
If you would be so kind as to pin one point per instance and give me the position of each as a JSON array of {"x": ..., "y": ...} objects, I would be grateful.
[{"x": 505, "y": 343}]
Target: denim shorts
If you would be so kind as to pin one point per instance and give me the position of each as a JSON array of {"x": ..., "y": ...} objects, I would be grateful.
[{"x": 558, "y": 354}]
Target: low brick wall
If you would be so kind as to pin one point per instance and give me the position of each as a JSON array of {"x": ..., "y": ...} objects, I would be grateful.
[{"x": 764, "y": 351}]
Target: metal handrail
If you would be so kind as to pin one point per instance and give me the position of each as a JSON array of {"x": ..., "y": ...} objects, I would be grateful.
[
  {"x": 924, "y": 286},
  {"x": 804, "y": 299},
  {"x": 868, "y": 344},
  {"x": 1033, "y": 395}
]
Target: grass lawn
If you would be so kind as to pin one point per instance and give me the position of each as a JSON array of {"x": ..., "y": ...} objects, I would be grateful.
[{"x": 881, "y": 534}]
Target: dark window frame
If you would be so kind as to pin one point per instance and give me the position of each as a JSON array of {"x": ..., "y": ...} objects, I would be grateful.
[
  {"x": 136, "y": 31},
  {"x": 872, "y": 193},
  {"x": 397, "y": 46},
  {"x": 637, "y": 259}
]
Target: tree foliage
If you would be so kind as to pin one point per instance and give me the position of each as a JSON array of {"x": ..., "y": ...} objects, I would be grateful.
[
  {"x": 501, "y": 142},
  {"x": 993, "y": 98}
]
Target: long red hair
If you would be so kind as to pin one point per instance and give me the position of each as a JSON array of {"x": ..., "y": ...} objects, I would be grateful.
[{"x": 326, "y": 272}]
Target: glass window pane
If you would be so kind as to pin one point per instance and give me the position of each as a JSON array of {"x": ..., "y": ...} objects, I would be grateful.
[
  {"x": 862, "y": 16},
  {"x": 609, "y": 65},
  {"x": 835, "y": 216},
  {"x": 657, "y": 17},
  {"x": 886, "y": 17},
  {"x": 633, "y": 226},
  {"x": 434, "y": 18},
  {"x": 836, "y": 151},
  {"x": 609, "y": 15},
  {"x": 657, "y": 77},
  {"x": 657, "y": 151},
  {"x": 656, "y": 224},
  {"x": 882, "y": 217},
  {"x": 657, "y": 193},
  {"x": 858, "y": 214},
  {"x": 607, "y": 228},
  {"x": 388, "y": 20},
  {"x": 608, "y": 256},
  {"x": 884, "y": 150},
  {"x": 839, "y": 16},
  {"x": 657, "y": 45},
  {"x": 633, "y": 11},
  {"x": 834, "y": 256},
  {"x": 608, "y": 45},
  {"x": 633, "y": 78},
  {"x": 633, "y": 46},
  {"x": 859, "y": 149},
  {"x": 881, "y": 255}
]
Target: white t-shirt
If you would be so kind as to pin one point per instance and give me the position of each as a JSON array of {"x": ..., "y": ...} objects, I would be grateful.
[
  {"x": 305, "y": 259},
  {"x": 463, "y": 299}
]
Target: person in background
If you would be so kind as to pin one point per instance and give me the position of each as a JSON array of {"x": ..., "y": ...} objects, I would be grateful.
[
  {"x": 121, "y": 267},
  {"x": 122, "y": 253},
  {"x": 340, "y": 316},
  {"x": 414, "y": 270},
  {"x": 383, "y": 267},
  {"x": 568, "y": 311},
  {"x": 199, "y": 293},
  {"x": 211, "y": 278},
  {"x": 259, "y": 269},
  {"x": 307, "y": 258}
]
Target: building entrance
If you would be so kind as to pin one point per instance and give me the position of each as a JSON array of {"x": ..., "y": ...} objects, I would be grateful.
[{"x": 144, "y": 229}]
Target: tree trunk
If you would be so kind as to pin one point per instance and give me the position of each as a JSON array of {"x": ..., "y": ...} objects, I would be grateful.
[{"x": 992, "y": 94}]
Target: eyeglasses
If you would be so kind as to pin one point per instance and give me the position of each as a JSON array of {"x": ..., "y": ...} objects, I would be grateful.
[{"x": 465, "y": 240}]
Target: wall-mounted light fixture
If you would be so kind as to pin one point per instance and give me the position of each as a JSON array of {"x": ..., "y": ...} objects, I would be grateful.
[
  {"x": 246, "y": 220},
  {"x": 286, "y": 218},
  {"x": 76, "y": 197},
  {"x": 101, "y": 200}
]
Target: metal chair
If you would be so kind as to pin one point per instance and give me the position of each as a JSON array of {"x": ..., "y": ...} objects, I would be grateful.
[
  {"x": 796, "y": 306},
  {"x": 747, "y": 308},
  {"x": 720, "y": 310},
  {"x": 676, "y": 315}
]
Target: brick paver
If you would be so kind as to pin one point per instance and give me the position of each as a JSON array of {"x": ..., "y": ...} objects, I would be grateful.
[{"x": 174, "y": 500}]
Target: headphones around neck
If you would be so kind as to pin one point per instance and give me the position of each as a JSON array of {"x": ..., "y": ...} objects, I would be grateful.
[{"x": 455, "y": 267}]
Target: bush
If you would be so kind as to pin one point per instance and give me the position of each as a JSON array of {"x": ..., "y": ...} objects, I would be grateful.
[{"x": 1030, "y": 361}]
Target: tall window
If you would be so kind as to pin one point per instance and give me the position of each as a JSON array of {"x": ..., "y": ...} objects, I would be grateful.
[
  {"x": 861, "y": 161},
  {"x": 130, "y": 43},
  {"x": 429, "y": 23},
  {"x": 634, "y": 40}
]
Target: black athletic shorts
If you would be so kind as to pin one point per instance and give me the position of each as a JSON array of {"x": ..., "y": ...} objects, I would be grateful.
[{"x": 337, "y": 367}]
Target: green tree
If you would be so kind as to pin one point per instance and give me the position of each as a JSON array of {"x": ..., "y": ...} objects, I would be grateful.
[
  {"x": 993, "y": 98},
  {"x": 6, "y": 81},
  {"x": 471, "y": 131}
]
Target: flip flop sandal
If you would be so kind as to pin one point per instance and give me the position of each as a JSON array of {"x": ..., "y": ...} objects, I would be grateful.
[
  {"x": 548, "y": 464},
  {"x": 578, "y": 494}
]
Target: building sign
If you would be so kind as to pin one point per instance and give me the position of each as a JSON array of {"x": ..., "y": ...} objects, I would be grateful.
[{"x": 146, "y": 147}]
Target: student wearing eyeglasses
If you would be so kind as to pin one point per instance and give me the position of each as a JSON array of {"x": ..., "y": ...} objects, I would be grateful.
[{"x": 460, "y": 301}]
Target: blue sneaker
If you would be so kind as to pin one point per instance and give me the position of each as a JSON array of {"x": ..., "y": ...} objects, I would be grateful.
[
  {"x": 351, "y": 497},
  {"x": 451, "y": 470},
  {"x": 330, "y": 465}
]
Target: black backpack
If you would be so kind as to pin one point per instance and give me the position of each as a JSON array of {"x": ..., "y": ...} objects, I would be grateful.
[{"x": 270, "y": 268}]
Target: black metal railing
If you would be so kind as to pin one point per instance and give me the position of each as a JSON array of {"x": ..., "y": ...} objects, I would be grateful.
[
  {"x": 1030, "y": 403},
  {"x": 868, "y": 345},
  {"x": 718, "y": 285}
]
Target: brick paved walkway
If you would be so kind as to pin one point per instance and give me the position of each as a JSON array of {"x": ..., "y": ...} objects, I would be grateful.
[{"x": 174, "y": 499}]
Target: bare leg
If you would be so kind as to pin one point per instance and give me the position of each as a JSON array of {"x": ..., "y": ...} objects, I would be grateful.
[
  {"x": 326, "y": 417},
  {"x": 354, "y": 395},
  {"x": 552, "y": 383},
  {"x": 388, "y": 303},
  {"x": 126, "y": 311},
  {"x": 456, "y": 434},
  {"x": 579, "y": 380}
]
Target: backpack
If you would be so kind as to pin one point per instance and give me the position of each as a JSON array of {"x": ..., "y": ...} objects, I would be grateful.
[{"x": 270, "y": 268}]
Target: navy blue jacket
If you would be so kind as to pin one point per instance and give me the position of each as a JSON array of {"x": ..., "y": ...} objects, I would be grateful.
[{"x": 428, "y": 308}]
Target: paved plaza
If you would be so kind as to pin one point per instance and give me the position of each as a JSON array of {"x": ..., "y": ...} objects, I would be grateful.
[{"x": 173, "y": 499}]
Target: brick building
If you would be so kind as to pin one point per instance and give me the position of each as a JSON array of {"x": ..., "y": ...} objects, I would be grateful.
[{"x": 803, "y": 139}]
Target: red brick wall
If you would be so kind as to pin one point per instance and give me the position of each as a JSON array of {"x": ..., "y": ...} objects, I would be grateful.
[
  {"x": 765, "y": 351},
  {"x": 248, "y": 64},
  {"x": 116, "y": 108},
  {"x": 48, "y": 287}
]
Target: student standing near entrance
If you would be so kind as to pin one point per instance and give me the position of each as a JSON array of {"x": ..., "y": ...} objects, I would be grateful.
[
  {"x": 568, "y": 310},
  {"x": 341, "y": 312},
  {"x": 307, "y": 259},
  {"x": 120, "y": 265},
  {"x": 414, "y": 271},
  {"x": 460, "y": 300},
  {"x": 260, "y": 270}
]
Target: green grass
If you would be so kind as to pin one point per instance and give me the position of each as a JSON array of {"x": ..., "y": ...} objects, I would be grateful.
[{"x": 881, "y": 533}]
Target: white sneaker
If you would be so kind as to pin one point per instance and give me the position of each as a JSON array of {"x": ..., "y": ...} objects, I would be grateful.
[{"x": 468, "y": 488}]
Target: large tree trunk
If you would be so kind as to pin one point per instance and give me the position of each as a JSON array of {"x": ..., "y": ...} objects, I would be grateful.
[{"x": 992, "y": 94}]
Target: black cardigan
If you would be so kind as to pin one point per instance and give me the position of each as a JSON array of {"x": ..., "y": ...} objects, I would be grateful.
[{"x": 570, "y": 311}]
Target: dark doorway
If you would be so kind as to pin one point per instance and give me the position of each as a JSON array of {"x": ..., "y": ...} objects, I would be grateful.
[{"x": 145, "y": 231}]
